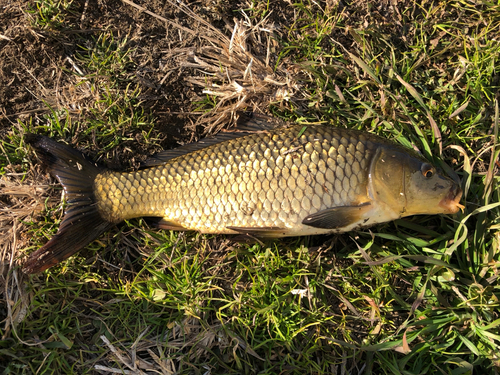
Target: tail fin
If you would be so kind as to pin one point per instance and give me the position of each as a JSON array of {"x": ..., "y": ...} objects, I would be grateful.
[{"x": 82, "y": 222}]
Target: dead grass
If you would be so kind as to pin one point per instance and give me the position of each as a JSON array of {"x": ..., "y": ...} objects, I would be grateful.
[
  {"x": 240, "y": 74},
  {"x": 20, "y": 203}
]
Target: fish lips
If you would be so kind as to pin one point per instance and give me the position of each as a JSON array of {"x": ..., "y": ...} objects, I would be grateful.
[{"x": 451, "y": 203}]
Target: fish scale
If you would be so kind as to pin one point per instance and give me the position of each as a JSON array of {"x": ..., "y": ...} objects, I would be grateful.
[{"x": 267, "y": 179}]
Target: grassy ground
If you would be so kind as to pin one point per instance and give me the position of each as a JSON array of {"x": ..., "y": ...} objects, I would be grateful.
[{"x": 120, "y": 82}]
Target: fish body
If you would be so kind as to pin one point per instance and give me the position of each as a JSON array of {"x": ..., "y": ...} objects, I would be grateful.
[
  {"x": 268, "y": 182},
  {"x": 263, "y": 180}
]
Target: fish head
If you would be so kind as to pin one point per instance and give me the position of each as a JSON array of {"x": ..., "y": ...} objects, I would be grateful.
[{"x": 409, "y": 184}]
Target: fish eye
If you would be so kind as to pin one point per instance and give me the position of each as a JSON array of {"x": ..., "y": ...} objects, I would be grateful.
[{"x": 427, "y": 170}]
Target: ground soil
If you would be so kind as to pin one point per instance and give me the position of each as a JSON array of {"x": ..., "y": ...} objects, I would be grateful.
[{"x": 34, "y": 60}]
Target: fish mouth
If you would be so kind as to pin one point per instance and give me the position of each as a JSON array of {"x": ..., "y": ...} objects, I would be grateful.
[{"x": 451, "y": 203}]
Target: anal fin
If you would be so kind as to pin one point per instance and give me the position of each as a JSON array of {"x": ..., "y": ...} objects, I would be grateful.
[
  {"x": 162, "y": 223},
  {"x": 337, "y": 217},
  {"x": 262, "y": 232}
]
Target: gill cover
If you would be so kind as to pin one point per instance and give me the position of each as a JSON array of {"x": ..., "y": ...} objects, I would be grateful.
[{"x": 387, "y": 179}]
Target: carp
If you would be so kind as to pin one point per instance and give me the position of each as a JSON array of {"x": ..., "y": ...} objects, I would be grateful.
[{"x": 259, "y": 180}]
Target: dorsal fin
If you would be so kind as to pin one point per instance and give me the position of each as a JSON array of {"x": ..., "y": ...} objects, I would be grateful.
[
  {"x": 247, "y": 124},
  {"x": 253, "y": 122}
]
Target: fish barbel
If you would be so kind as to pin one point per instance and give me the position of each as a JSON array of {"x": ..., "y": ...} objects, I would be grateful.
[{"x": 262, "y": 181}]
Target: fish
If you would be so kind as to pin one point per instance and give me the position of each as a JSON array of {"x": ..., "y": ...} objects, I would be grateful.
[{"x": 258, "y": 180}]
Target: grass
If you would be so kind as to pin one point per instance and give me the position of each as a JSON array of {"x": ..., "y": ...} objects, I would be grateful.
[
  {"x": 50, "y": 14},
  {"x": 419, "y": 295}
]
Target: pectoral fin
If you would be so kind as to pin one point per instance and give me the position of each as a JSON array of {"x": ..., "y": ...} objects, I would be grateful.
[{"x": 337, "y": 217}]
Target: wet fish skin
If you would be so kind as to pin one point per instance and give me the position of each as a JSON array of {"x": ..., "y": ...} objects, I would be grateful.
[{"x": 272, "y": 182}]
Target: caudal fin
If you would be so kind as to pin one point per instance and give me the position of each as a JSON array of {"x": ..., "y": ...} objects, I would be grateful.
[{"x": 82, "y": 222}]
